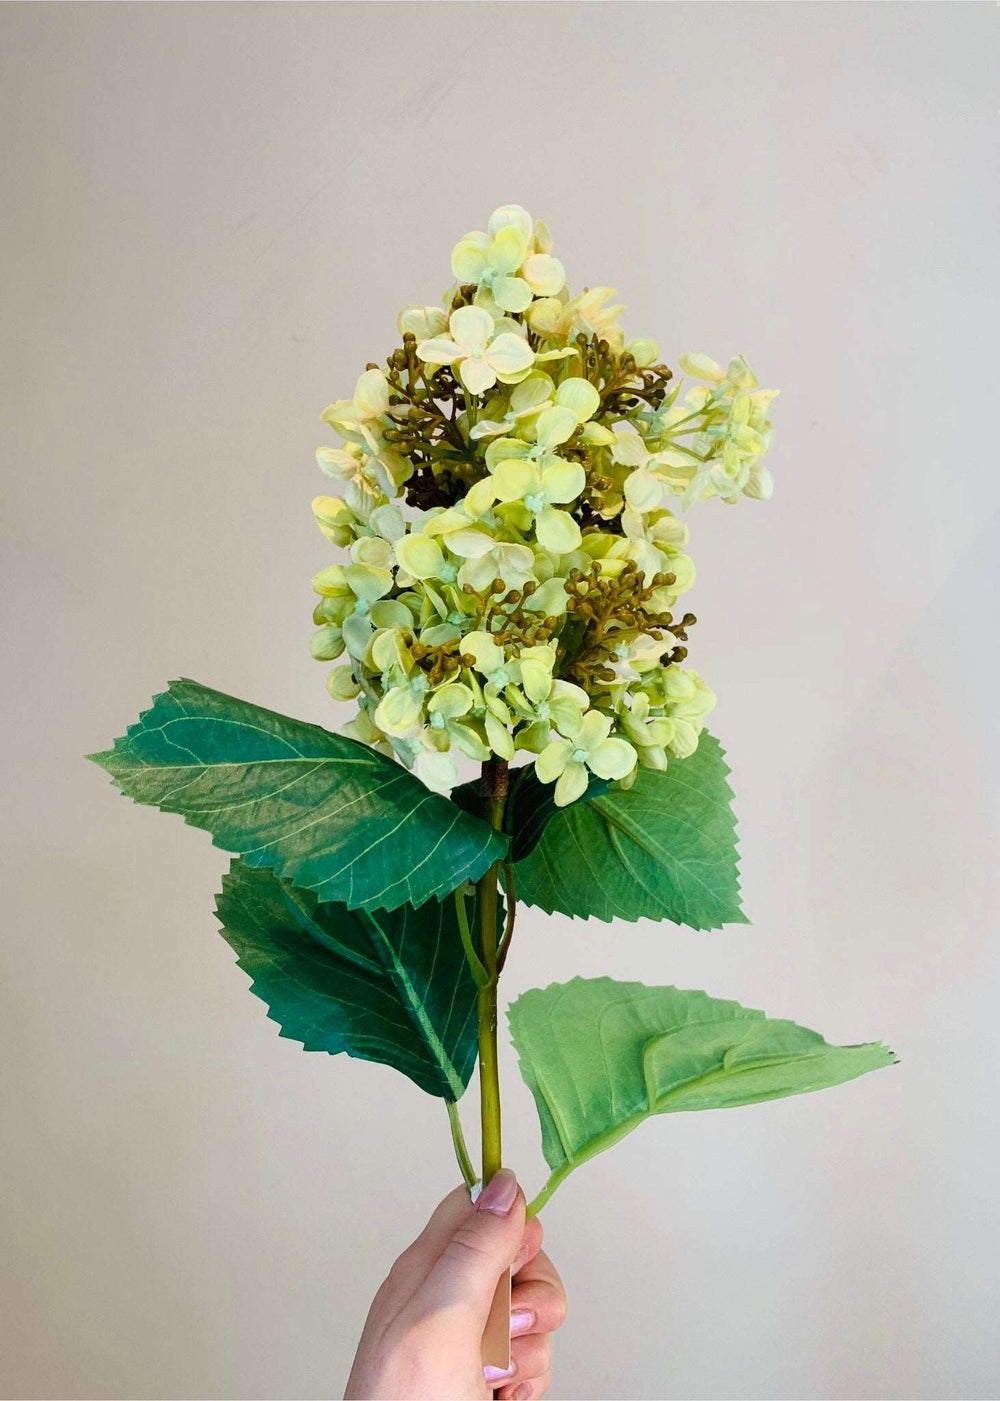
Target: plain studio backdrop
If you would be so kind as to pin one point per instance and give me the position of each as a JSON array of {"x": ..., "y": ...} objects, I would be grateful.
[{"x": 210, "y": 217}]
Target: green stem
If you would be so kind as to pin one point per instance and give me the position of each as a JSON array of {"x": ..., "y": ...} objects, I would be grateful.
[
  {"x": 494, "y": 785},
  {"x": 479, "y": 973},
  {"x": 458, "y": 1140}
]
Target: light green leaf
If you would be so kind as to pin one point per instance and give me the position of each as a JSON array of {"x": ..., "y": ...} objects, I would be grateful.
[
  {"x": 389, "y": 987},
  {"x": 664, "y": 849},
  {"x": 324, "y": 811},
  {"x": 600, "y": 1057}
]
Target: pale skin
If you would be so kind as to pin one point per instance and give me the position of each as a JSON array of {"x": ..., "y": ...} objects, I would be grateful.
[{"x": 423, "y": 1335}]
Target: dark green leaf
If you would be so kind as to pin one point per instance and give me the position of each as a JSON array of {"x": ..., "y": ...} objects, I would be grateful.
[
  {"x": 326, "y": 812},
  {"x": 663, "y": 849},
  {"x": 387, "y": 986},
  {"x": 600, "y": 1057}
]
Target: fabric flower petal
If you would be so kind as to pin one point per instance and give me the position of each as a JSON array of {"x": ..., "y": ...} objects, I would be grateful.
[
  {"x": 509, "y": 354},
  {"x": 614, "y": 758},
  {"x": 471, "y": 328},
  {"x": 571, "y": 785},
  {"x": 553, "y": 760},
  {"x": 557, "y": 531}
]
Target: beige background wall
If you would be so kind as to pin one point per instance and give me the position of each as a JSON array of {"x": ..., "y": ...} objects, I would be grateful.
[{"x": 209, "y": 217}]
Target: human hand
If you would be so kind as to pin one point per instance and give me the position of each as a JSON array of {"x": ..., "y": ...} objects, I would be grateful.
[{"x": 423, "y": 1335}]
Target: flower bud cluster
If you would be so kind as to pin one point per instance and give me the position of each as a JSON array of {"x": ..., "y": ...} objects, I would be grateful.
[{"x": 512, "y": 566}]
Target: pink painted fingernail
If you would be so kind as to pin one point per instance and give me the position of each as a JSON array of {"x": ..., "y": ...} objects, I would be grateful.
[
  {"x": 499, "y": 1194},
  {"x": 521, "y": 1321},
  {"x": 497, "y": 1374}
]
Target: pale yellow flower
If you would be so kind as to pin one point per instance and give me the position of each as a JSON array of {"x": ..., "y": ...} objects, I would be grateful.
[
  {"x": 480, "y": 357},
  {"x": 587, "y": 746}
]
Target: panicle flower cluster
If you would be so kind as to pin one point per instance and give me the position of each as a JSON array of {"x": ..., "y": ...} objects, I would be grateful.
[{"x": 512, "y": 567}]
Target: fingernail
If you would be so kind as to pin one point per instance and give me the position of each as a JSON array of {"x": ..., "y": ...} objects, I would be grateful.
[
  {"x": 521, "y": 1321},
  {"x": 499, "y": 1194},
  {"x": 497, "y": 1374},
  {"x": 521, "y": 1393}
]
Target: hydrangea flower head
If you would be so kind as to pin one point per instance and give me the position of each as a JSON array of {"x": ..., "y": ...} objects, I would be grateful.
[{"x": 512, "y": 481}]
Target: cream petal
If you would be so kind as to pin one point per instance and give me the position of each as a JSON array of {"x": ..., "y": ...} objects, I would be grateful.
[
  {"x": 545, "y": 275},
  {"x": 571, "y": 785},
  {"x": 373, "y": 551},
  {"x": 391, "y": 613},
  {"x": 480, "y": 497},
  {"x": 466, "y": 739},
  {"x": 700, "y": 366},
  {"x": 477, "y": 375},
  {"x": 563, "y": 482},
  {"x": 469, "y": 544},
  {"x": 337, "y": 462},
  {"x": 358, "y": 633},
  {"x": 553, "y": 760},
  {"x": 440, "y": 350},
  {"x": 566, "y": 713},
  {"x": 371, "y": 394},
  {"x": 514, "y": 479},
  {"x": 327, "y": 644},
  {"x": 509, "y": 354},
  {"x": 543, "y": 238},
  {"x": 612, "y": 759},
  {"x": 512, "y": 293},
  {"x": 486, "y": 428},
  {"x": 499, "y": 737},
  {"x": 469, "y": 257},
  {"x": 532, "y": 392},
  {"x": 398, "y": 711},
  {"x": 594, "y": 729},
  {"x": 511, "y": 214},
  {"x": 421, "y": 556},
  {"x": 643, "y": 491},
  {"x": 422, "y": 321},
  {"x": 555, "y": 426},
  {"x": 536, "y": 678},
  {"x": 488, "y": 653},
  {"x": 508, "y": 249},
  {"x": 550, "y": 599},
  {"x": 557, "y": 530},
  {"x": 629, "y": 449},
  {"x": 579, "y": 396},
  {"x": 367, "y": 583},
  {"x": 451, "y": 701},
  {"x": 341, "y": 683},
  {"x": 471, "y": 327},
  {"x": 570, "y": 723}
]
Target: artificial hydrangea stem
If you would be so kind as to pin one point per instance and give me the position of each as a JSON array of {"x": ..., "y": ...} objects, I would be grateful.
[
  {"x": 494, "y": 788},
  {"x": 458, "y": 1139}
]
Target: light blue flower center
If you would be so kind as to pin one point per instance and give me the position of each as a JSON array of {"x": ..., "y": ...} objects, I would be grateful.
[
  {"x": 544, "y": 711},
  {"x": 363, "y": 607},
  {"x": 535, "y": 501},
  {"x": 449, "y": 573},
  {"x": 437, "y": 721},
  {"x": 579, "y": 756},
  {"x": 419, "y": 684},
  {"x": 501, "y": 677}
]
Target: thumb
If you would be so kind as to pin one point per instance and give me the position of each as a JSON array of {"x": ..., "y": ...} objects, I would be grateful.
[{"x": 481, "y": 1246}]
